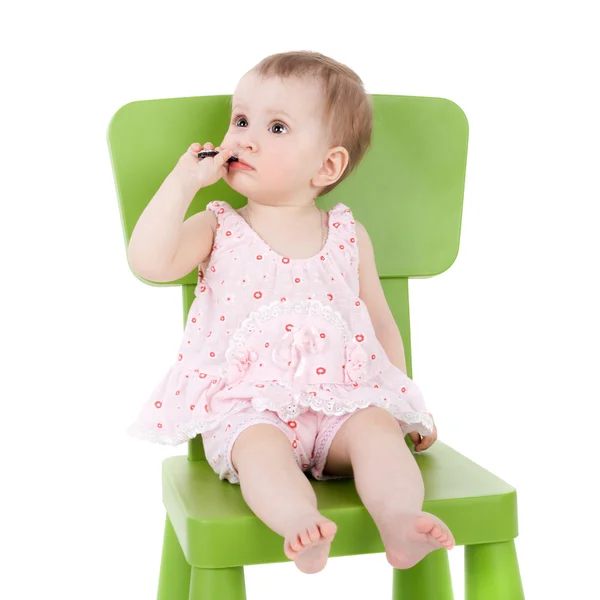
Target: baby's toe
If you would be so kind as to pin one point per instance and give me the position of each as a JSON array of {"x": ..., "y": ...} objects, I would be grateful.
[
  {"x": 328, "y": 529},
  {"x": 446, "y": 540},
  {"x": 304, "y": 537},
  {"x": 436, "y": 532},
  {"x": 288, "y": 550},
  {"x": 295, "y": 543},
  {"x": 425, "y": 524}
]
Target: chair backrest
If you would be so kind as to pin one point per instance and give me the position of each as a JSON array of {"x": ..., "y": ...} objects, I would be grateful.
[{"x": 407, "y": 191}]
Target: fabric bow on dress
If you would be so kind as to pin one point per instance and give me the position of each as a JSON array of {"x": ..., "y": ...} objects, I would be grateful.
[{"x": 242, "y": 358}]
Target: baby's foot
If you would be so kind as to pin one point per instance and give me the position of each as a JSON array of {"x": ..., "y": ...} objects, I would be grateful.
[
  {"x": 309, "y": 542},
  {"x": 408, "y": 537}
]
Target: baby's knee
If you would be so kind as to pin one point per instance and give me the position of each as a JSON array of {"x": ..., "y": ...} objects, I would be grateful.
[
  {"x": 372, "y": 419},
  {"x": 256, "y": 443}
]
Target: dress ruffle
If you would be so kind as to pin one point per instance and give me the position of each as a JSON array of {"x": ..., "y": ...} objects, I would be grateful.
[
  {"x": 393, "y": 391},
  {"x": 181, "y": 407},
  {"x": 201, "y": 402}
]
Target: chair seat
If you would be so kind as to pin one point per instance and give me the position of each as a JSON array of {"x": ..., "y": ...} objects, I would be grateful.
[{"x": 217, "y": 529}]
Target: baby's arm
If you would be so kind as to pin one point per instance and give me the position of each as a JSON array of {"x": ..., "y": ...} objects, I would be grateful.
[
  {"x": 386, "y": 330},
  {"x": 164, "y": 247},
  {"x": 371, "y": 293}
]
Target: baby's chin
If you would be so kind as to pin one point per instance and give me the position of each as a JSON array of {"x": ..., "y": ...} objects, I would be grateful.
[
  {"x": 253, "y": 190},
  {"x": 242, "y": 184}
]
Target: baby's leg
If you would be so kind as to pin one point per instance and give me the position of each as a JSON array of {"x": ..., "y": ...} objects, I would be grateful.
[
  {"x": 280, "y": 495},
  {"x": 389, "y": 483}
]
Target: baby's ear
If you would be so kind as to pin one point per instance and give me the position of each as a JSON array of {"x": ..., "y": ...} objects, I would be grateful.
[{"x": 333, "y": 167}]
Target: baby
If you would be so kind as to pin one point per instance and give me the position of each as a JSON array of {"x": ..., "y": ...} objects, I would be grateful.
[{"x": 291, "y": 360}]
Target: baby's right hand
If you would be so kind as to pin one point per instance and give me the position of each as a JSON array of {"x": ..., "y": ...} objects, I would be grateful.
[{"x": 206, "y": 171}]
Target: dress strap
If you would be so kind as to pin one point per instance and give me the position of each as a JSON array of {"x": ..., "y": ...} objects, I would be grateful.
[
  {"x": 229, "y": 223},
  {"x": 342, "y": 227}
]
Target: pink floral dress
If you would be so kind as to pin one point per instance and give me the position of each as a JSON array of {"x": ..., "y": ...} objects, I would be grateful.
[{"x": 279, "y": 333}]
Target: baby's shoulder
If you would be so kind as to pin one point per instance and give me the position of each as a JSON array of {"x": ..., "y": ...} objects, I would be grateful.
[
  {"x": 221, "y": 210},
  {"x": 200, "y": 224},
  {"x": 363, "y": 243}
]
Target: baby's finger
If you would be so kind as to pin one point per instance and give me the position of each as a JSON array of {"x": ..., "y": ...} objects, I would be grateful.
[
  {"x": 425, "y": 443},
  {"x": 223, "y": 156},
  {"x": 194, "y": 149}
]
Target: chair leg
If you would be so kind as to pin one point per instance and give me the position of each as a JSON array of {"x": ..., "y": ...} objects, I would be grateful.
[
  {"x": 492, "y": 572},
  {"x": 429, "y": 579},
  {"x": 174, "y": 580},
  {"x": 209, "y": 584}
]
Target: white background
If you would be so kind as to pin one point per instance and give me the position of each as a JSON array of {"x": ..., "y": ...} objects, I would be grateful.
[{"x": 505, "y": 342}]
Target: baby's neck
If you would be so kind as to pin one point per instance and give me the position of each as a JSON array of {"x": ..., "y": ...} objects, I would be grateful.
[
  {"x": 290, "y": 231},
  {"x": 280, "y": 211}
]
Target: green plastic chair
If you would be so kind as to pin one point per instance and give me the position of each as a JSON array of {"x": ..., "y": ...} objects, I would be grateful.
[{"x": 415, "y": 170}]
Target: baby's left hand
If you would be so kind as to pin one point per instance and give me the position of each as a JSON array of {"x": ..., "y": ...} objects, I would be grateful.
[{"x": 425, "y": 442}]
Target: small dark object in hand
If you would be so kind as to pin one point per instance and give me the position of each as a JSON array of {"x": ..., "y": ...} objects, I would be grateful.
[{"x": 204, "y": 153}]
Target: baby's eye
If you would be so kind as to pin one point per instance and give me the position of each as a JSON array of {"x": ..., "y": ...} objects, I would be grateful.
[
  {"x": 236, "y": 120},
  {"x": 279, "y": 125}
]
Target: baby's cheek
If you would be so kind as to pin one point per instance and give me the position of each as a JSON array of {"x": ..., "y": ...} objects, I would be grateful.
[{"x": 281, "y": 171}]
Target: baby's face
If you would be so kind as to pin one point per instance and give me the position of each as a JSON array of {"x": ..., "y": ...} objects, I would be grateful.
[{"x": 285, "y": 148}]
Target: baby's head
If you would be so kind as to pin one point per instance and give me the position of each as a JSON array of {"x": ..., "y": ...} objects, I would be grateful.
[{"x": 319, "y": 132}]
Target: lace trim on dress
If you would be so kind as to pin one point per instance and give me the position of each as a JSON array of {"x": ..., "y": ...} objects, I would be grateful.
[
  {"x": 332, "y": 404},
  {"x": 237, "y": 343}
]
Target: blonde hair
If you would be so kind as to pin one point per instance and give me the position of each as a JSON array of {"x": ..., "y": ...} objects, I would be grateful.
[{"x": 347, "y": 110}]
